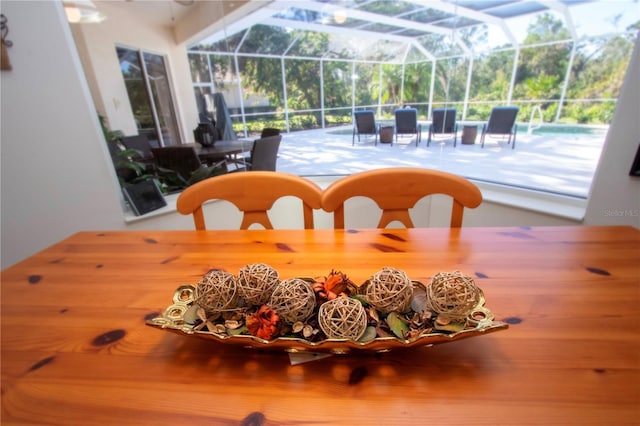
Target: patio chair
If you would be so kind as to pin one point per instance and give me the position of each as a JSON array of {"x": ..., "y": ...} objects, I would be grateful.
[
  {"x": 407, "y": 123},
  {"x": 364, "y": 123},
  {"x": 181, "y": 159},
  {"x": 269, "y": 131},
  {"x": 141, "y": 144},
  {"x": 264, "y": 154},
  {"x": 443, "y": 122},
  {"x": 396, "y": 190},
  {"x": 253, "y": 193},
  {"x": 502, "y": 121}
]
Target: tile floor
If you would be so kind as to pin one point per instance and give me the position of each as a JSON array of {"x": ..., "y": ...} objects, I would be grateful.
[{"x": 563, "y": 164}]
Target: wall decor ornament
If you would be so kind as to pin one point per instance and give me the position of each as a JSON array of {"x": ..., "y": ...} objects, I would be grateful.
[{"x": 5, "y": 64}]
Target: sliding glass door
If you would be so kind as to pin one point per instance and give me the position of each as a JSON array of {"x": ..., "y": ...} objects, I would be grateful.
[{"x": 145, "y": 76}]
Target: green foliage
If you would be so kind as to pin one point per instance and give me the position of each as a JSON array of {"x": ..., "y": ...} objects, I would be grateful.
[
  {"x": 129, "y": 170},
  {"x": 597, "y": 72}
]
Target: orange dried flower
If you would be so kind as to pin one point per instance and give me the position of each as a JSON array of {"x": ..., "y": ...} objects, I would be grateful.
[
  {"x": 335, "y": 284},
  {"x": 265, "y": 323}
]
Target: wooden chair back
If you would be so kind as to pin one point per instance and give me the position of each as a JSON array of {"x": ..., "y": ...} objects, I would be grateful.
[
  {"x": 253, "y": 193},
  {"x": 396, "y": 190}
]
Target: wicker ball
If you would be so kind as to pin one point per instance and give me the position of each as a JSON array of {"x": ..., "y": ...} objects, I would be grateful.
[
  {"x": 216, "y": 291},
  {"x": 256, "y": 283},
  {"x": 453, "y": 294},
  {"x": 342, "y": 318},
  {"x": 389, "y": 290},
  {"x": 293, "y": 299}
]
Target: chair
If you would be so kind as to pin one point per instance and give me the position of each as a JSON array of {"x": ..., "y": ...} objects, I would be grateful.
[
  {"x": 502, "y": 121},
  {"x": 253, "y": 193},
  {"x": 141, "y": 144},
  {"x": 443, "y": 121},
  {"x": 364, "y": 123},
  {"x": 407, "y": 123},
  {"x": 264, "y": 154},
  {"x": 181, "y": 159},
  {"x": 396, "y": 190},
  {"x": 269, "y": 131}
]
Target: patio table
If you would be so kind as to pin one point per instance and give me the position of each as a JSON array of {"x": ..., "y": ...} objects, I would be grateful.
[{"x": 226, "y": 150}]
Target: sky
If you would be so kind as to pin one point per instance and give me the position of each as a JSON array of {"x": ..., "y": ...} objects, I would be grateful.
[{"x": 596, "y": 18}]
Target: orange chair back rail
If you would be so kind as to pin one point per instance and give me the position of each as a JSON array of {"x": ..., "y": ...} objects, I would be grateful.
[
  {"x": 396, "y": 190},
  {"x": 253, "y": 193}
]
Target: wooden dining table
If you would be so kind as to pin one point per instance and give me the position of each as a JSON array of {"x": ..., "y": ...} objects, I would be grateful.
[{"x": 77, "y": 348}]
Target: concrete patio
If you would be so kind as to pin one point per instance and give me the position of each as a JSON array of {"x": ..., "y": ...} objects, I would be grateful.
[{"x": 563, "y": 164}]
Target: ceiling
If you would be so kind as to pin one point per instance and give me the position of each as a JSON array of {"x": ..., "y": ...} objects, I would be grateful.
[
  {"x": 418, "y": 28},
  {"x": 155, "y": 12},
  {"x": 411, "y": 22},
  {"x": 390, "y": 30}
]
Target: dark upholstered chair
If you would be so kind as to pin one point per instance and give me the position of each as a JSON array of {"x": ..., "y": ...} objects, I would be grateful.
[
  {"x": 141, "y": 144},
  {"x": 264, "y": 154},
  {"x": 443, "y": 122},
  {"x": 364, "y": 123},
  {"x": 269, "y": 131},
  {"x": 181, "y": 159},
  {"x": 407, "y": 123},
  {"x": 502, "y": 121}
]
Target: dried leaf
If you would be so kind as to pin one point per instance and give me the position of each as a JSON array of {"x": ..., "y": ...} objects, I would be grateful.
[
  {"x": 397, "y": 325},
  {"x": 453, "y": 326},
  {"x": 369, "y": 334},
  {"x": 419, "y": 301},
  {"x": 307, "y": 331},
  {"x": 373, "y": 315},
  {"x": 381, "y": 332},
  {"x": 232, "y": 324},
  {"x": 239, "y": 330},
  {"x": 298, "y": 327}
]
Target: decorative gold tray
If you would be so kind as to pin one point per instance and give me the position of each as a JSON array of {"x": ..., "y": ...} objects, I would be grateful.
[{"x": 479, "y": 322}]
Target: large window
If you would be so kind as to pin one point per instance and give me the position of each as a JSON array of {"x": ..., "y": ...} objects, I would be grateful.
[
  {"x": 145, "y": 77},
  {"x": 560, "y": 69}
]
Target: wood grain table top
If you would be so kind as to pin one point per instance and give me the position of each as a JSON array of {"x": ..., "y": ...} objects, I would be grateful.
[{"x": 76, "y": 349}]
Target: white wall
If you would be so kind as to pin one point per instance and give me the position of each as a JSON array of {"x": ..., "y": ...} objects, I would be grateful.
[
  {"x": 56, "y": 176},
  {"x": 615, "y": 196},
  {"x": 122, "y": 27}
]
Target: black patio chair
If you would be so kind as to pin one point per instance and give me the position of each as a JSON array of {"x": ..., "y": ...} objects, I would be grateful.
[
  {"x": 364, "y": 123},
  {"x": 141, "y": 144},
  {"x": 264, "y": 154},
  {"x": 407, "y": 123},
  {"x": 443, "y": 122},
  {"x": 269, "y": 131},
  {"x": 502, "y": 121},
  {"x": 183, "y": 160}
]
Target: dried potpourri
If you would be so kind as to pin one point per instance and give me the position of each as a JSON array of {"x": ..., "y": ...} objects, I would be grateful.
[
  {"x": 333, "y": 285},
  {"x": 407, "y": 322}
]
